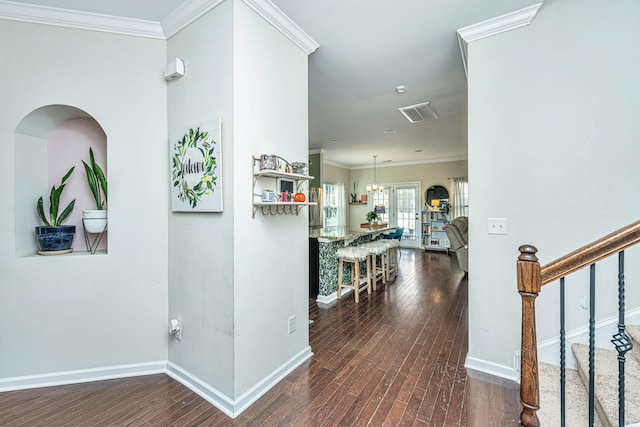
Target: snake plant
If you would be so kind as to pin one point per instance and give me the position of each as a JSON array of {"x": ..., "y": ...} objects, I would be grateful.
[
  {"x": 97, "y": 181},
  {"x": 54, "y": 203}
]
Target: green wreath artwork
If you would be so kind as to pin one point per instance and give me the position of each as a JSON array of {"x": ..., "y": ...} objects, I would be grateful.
[{"x": 183, "y": 165}]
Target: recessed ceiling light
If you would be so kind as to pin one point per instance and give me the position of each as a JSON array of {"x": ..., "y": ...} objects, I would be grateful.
[
  {"x": 386, "y": 161},
  {"x": 334, "y": 140},
  {"x": 388, "y": 131},
  {"x": 401, "y": 89},
  {"x": 417, "y": 151}
]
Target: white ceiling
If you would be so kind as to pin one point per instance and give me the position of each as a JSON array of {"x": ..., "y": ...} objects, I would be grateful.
[{"x": 367, "y": 48}]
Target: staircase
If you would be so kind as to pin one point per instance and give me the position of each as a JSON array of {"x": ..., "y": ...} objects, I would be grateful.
[
  {"x": 606, "y": 387},
  {"x": 532, "y": 277}
]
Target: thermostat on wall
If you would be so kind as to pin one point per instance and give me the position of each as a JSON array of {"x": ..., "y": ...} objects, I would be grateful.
[{"x": 174, "y": 69}]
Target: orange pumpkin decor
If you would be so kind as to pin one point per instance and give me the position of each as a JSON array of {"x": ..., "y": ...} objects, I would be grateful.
[{"x": 299, "y": 197}]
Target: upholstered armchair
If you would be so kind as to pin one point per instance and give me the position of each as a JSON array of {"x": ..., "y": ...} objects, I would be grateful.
[{"x": 458, "y": 234}]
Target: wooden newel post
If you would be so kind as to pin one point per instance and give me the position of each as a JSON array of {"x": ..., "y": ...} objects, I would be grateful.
[{"x": 529, "y": 287}]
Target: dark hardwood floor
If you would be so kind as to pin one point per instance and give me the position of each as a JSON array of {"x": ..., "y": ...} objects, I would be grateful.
[{"x": 394, "y": 359}]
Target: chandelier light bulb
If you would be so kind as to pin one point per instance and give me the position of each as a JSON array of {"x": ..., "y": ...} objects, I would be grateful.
[{"x": 374, "y": 185}]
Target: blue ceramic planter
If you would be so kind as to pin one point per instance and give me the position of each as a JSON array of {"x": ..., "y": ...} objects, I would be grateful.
[{"x": 55, "y": 239}]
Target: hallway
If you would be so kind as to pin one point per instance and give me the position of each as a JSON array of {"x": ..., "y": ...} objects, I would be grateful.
[{"x": 396, "y": 358}]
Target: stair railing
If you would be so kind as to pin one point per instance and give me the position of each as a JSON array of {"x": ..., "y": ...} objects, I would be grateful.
[{"x": 531, "y": 278}]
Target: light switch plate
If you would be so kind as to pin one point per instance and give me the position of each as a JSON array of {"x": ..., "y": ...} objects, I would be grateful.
[{"x": 497, "y": 226}]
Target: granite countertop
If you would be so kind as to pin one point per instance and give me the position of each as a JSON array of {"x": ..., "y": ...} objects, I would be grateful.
[{"x": 334, "y": 234}]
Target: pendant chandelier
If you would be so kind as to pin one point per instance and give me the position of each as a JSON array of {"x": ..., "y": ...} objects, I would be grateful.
[{"x": 375, "y": 186}]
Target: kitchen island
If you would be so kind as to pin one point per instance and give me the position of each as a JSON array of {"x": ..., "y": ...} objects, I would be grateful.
[{"x": 327, "y": 241}]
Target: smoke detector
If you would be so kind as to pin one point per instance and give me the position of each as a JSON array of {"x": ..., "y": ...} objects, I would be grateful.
[{"x": 418, "y": 112}]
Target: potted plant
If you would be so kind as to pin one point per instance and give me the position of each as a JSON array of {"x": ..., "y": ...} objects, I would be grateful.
[
  {"x": 354, "y": 195},
  {"x": 95, "y": 220},
  {"x": 53, "y": 237},
  {"x": 372, "y": 217}
]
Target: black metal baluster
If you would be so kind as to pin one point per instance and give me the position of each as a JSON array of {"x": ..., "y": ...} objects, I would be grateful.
[
  {"x": 563, "y": 362},
  {"x": 592, "y": 335},
  {"x": 621, "y": 340}
]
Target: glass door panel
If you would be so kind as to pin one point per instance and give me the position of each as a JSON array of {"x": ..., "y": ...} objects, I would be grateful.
[{"x": 401, "y": 202}]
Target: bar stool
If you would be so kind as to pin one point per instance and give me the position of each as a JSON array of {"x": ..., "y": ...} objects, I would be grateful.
[
  {"x": 392, "y": 256},
  {"x": 354, "y": 255},
  {"x": 377, "y": 251}
]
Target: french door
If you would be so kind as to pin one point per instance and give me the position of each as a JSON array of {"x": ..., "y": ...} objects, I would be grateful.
[{"x": 401, "y": 203}]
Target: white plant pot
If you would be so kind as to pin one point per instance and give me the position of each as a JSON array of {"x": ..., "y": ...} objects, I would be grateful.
[{"x": 95, "y": 221}]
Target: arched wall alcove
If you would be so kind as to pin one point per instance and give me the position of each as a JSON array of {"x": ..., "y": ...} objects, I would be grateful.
[{"x": 47, "y": 143}]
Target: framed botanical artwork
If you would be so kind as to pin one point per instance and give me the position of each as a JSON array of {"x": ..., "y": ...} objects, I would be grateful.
[{"x": 196, "y": 167}]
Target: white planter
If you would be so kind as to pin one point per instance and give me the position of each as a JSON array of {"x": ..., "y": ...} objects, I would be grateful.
[{"x": 95, "y": 221}]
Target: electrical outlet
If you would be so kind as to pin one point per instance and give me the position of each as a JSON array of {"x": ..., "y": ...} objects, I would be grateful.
[
  {"x": 292, "y": 324},
  {"x": 497, "y": 225},
  {"x": 175, "y": 329}
]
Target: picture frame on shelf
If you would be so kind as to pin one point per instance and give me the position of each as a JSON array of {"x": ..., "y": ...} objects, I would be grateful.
[{"x": 286, "y": 185}]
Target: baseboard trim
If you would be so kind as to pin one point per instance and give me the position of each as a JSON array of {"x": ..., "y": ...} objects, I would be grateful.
[
  {"x": 201, "y": 388},
  {"x": 491, "y": 368},
  {"x": 81, "y": 376},
  {"x": 230, "y": 407},
  {"x": 214, "y": 396},
  {"x": 257, "y": 391},
  {"x": 328, "y": 299}
]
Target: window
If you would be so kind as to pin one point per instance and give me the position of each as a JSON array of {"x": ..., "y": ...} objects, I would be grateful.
[{"x": 334, "y": 205}]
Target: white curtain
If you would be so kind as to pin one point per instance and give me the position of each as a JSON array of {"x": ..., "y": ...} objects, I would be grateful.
[
  {"x": 335, "y": 204},
  {"x": 341, "y": 214},
  {"x": 460, "y": 203}
]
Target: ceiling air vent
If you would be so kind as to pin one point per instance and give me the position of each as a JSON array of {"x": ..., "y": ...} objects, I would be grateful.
[{"x": 418, "y": 112}]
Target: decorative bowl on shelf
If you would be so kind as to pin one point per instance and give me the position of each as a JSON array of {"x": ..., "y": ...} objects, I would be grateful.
[
  {"x": 268, "y": 162},
  {"x": 299, "y": 168}
]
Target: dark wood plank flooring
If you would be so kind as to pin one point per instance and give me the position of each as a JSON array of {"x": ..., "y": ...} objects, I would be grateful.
[{"x": 394, "y": 359}]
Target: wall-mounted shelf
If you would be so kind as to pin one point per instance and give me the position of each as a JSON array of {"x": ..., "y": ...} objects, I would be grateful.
[
  {"x": 358, "y": 203},
  {"x": 279, "y": 208},
  {"x": 433, "y": 235},
  {"x": 276, "y": 208}
]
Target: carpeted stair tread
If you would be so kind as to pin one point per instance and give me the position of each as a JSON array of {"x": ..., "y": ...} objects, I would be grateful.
[
  {"x": 576, "y": 400},
  {"x": 634, "y": 332},
  {"x": 606, "y": 382}
]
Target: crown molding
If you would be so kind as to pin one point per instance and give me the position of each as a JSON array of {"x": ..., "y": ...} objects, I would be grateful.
[
  {"x": 412, "y": 162},
  {"x": 34, "y": 14},
  {"x": 185, "y": 15},
  {"x": 171, "y": 25},
  {"x": 336, "y": 164},
  {"x": 493, "y": 26},
  {"x": 284, "y": 24}
]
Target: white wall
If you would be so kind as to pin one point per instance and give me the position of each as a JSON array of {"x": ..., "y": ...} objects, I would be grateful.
[
  {"x": 553, "y": 147},
  {"x": 201, "y": 260},
  {"x": 271, "y": 252},
  {"x": 233, "y": 280},
  {"x": 86, "y": 311}
]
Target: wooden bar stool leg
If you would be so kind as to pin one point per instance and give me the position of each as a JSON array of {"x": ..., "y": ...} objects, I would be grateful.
[
  {"x": 372, "y": 258},
  {"x": 355, "y": 279},
  {"x": 383, "y": 268},
  {"x": 369, "y": 276},
  {"x": 340, "y": 264},
  {"x": 388, "y": 264}
]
